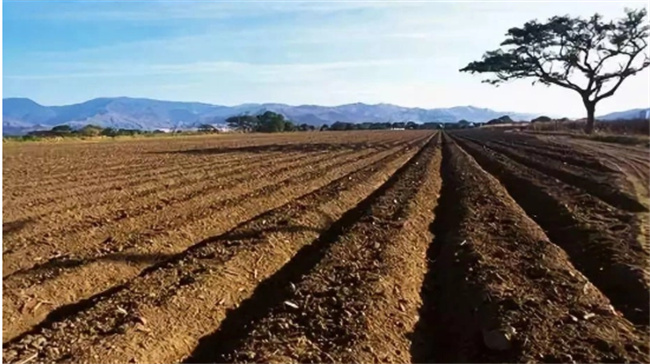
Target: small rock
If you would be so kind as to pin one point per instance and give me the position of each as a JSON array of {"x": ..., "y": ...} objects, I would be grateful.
[
  {"x": 291, "y": 304},
  {"x": 141, "y": 320},
  {"x": 51, "y": 351},
  {"x": 606, "y": 310},
  {"x": 499, "y": 340},
  {"x": 589, "y": 315},
  {"x": 10, "y": 355},
  {"x": 141, "y": 328},
  {"x": 39, "y": 342},
  {"x": 573, "y": 318},
  {"x": 567, "y": 358}
]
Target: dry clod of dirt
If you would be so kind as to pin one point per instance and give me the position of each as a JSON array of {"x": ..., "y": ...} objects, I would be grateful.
[{"x": 499, "y": 339}]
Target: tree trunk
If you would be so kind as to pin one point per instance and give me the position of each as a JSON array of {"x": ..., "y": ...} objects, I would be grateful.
[{"x": 591, "y": 118}]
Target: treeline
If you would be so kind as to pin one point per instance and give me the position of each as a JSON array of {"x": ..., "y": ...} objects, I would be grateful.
[
  {"x": 268, "y": 122},
  {"x": 87, "y": 131},
  {"x": 340, "y": 125}
]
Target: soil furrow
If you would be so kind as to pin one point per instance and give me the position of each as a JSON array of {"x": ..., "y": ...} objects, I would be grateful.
[
  {"x": 499, "y": 291},
  {"x": 61, "y": 161},
  {"x": 131, "y": 187},
  {"x": 47, "y": 270},
  {"x": 85, "y": 274},
  {"x": 597, "y": 184},
  {"x": 111, "y": 161},
  {"x": 184, "y": 157},
  {"x": 353, "y": 299},
  {"x": 161, "y": 197},
  {"x": 113, "y": 189},
  {"x": 601, "y": 242},
  {"x": 203, "y": 282},
  {"x": 575, "y": 158},
  {"x": 131, "y": 231},
  {"x": 141, "y": 173}
]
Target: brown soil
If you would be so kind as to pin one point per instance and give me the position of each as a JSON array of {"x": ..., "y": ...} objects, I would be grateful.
[
  {"x": 84, "y": 268},
  {"x": 602, "y": 185},
  {"x": 499, "y": 290},
  {"x": 355, "y": 297},
  {"x": 601, "y": 241},
  {"x": 216, "y": 270},
  {"x": 375, "y": 246}
]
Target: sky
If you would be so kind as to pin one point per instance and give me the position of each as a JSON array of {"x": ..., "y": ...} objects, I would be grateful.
[{"x": 325, "y": 53}]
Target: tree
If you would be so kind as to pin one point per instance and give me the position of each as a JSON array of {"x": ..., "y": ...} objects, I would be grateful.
[
  {"x": 271, "y": 122},
  {"x": 109, "y": 132},
  {"x": 207, "y": 128},
  {"x": 62, "y": 129},
  {"x": 463, "y": 124},
  {"x": 289, "y": 126},
  {"x": 91, "y": 130},
  {"x": 243, "y": 123},
  {"x": 338, "y": 125},
  {"x": 541, "y": 119},
  {"x": 590, "y": 56}
]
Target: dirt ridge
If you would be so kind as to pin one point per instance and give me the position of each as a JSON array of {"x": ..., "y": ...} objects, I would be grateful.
[
  {"x": 613, "y": 260},
  {"x": 204, "y": 265},
  {"x": 497, "y": 288}
]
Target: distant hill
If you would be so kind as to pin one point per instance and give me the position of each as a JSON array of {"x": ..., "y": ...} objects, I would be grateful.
[
  {"x": 626, "y": 115},
  {"x": 21, "y": 115}
]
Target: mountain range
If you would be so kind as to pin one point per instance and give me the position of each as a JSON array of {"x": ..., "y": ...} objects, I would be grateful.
[
  {"x": 626, "y": 115},
  {"x": 21, "y": 115}
]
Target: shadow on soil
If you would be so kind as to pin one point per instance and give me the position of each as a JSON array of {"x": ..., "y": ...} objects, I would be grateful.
[
  {"x": 429, "y": 338},
  {"x": 593, "y": 250},
  {"x": 448, "y": 330},
  {"x": 270, "y": 293},
  {"x": 57, "y": 266},
  {"x": 13, "y": 227}
]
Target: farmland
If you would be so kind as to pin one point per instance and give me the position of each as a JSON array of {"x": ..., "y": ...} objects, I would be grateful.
[{"x": 369, "y": 246}]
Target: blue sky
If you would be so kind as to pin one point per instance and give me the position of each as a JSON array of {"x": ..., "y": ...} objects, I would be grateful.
[{"x": 327, "y": 53}]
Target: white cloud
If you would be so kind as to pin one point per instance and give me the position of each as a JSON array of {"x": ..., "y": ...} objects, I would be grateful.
[{"x": 298, "y": 52}]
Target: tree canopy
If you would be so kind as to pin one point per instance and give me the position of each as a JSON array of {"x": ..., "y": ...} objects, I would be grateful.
[
  {"x": 207, "y": 128},
  {"x": 267, "y": 122},
  {"x": 590, "y": 56},
  {"x": 62, "y": 129}
]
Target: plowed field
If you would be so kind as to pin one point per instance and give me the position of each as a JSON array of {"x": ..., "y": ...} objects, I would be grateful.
[{"x": 379, "y": 246}]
